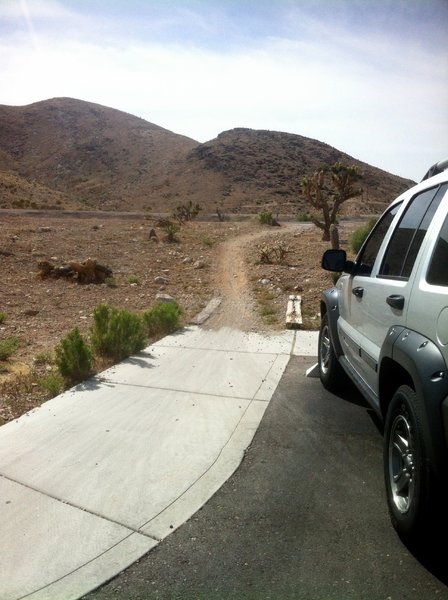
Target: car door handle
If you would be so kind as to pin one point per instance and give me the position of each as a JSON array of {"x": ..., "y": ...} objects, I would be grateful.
[
  {"x": 396, "y": 301},
  {"x": 358, "y": 292}
]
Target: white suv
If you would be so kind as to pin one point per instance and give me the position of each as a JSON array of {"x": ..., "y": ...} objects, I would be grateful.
[{"x": 385, "y": 325}]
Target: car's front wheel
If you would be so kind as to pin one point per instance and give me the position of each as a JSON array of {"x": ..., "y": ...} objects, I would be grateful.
[
  {"x": 330, "y": 371},
  {"x": 406, "y": 472}
]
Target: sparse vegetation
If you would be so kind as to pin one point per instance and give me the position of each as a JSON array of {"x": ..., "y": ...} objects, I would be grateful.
[
  {"x": 8, "y": 347},
  {"x": 170, "y": 229},
  {"x": 110, "y": 282},
  {"x": 265, "y": 218},
  {"x": 207, "y": 241},
  {"x": 133, "y": 279},
  {"x": 187, "y": 212},
  {"x": 2, "y": 317},
  {"x": 43, "y": 358},
  {"x": 273, "y": 253},
  {"x": 125, "y": 247},
  {"x": 74, "y": 357},
  {"x": 266, "y": 308},
  {"x": 164, "y": 317},
  {"x": 304, "y": 217},
  {"x": 53, "y": 383},
  {"x": 116, "y": 333}
]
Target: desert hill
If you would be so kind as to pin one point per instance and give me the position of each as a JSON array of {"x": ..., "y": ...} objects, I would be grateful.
[
  {"x": 66, "y": 153},
  {"x": 97, "y": 157}
]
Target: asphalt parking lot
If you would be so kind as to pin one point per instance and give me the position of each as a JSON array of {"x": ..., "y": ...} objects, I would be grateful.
[{"x": 304, "y": 517}]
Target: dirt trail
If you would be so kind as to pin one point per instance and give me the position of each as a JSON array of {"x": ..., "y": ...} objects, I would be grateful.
[{"x": 232, "y": 284}]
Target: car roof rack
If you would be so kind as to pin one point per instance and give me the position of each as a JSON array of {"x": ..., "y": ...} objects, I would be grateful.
[{"x": 439, "y": 167}]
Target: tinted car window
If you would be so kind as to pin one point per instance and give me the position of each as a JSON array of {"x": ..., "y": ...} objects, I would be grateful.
[
  {"x": 369, "y": 251},
  {"x": 438, "y": 269},
  {"x": 409, "y": 234}
]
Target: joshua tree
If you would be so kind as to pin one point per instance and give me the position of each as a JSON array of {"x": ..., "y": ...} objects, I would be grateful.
[
  {"x": 187, "y": 212},
  {"x": 327, "y": 189}
]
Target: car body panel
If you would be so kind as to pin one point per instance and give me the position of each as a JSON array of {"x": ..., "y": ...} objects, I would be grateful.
[{"x": 388, "y": 330}]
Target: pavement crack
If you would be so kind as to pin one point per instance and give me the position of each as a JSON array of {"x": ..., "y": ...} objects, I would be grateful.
[{"x": 78, "y": 507}]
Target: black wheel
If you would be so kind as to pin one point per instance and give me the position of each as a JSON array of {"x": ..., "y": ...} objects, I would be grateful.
[
  {"x": 406, "y": 472},
  {"x": 331, "y": 373}
]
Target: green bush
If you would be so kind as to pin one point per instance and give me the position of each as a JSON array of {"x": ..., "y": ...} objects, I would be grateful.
[
  {"x": 207, "y": 241},
  {"x": 74, "y": 357},
  {"x": 2, "y": 316},
  {"x": 43, "y": 358},
  {"x": 53, "y": 383},
  {"x": 187, "y": 212},
  {"x": 8, "y": 347},
  {"x": 171, "y": 229},
  {"x": 133, "y": 279},
  {"x": 163, "y": 318},
  {"x": 359, "y": 236},
  {"x": 110, "y": 282},
  {"x": 304, "y": 217},
  {"x": 116, "y": 333},
  {"x": 265, "y": 218}
]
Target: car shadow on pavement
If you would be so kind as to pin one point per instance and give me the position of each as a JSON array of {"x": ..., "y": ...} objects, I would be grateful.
[
  {"x": 352, "y": 395},
  {"x": 428, "y": 550}
]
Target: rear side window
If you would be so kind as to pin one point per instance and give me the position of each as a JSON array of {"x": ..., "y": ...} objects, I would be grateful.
[
  {"x": 407, "y": 238},
  {"x": 438, "y": 269}
]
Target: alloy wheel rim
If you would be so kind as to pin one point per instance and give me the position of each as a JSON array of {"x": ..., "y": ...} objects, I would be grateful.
[
  {"x": 325, "y": 349},
  {"x": 401, "y": 464}
]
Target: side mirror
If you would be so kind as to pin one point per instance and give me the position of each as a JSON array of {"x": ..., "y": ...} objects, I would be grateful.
[{"x": 336, "y": 261}]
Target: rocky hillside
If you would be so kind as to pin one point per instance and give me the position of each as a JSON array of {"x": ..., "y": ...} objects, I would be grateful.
[{"x": 66, "y": 153}]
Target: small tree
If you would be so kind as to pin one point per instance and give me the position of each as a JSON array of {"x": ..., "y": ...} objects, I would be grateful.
[
  {"x": 74, "y": 357},
  {"x": 326, "y": 190}
]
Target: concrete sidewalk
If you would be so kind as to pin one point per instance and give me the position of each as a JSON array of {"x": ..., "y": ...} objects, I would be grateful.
[{"x": 98, "y": 476}]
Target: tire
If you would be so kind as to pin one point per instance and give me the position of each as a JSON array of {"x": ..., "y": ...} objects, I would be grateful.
[
  {"x": 407, "y": 475},
  {"x": 331, "y": 373}
]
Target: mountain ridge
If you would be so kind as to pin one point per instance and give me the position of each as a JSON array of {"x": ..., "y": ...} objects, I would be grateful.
[{"x": 68, "y": 153}]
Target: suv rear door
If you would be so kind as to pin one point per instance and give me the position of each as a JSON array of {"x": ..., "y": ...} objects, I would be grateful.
[{"x": 428, "y": 306}]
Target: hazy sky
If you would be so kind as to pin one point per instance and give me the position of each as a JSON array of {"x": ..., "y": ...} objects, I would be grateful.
[{"x": 369, "y": 77}]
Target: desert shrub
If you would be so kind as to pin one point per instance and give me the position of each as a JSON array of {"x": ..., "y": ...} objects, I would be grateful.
[
  {"x": 280, "y": 251},
  {"x": 170, "y": 229},
  {"x": 359, "y": 236},
  {"x": 304, "y": 217},
  {"x": 187, "y": 212},
  {"x": 335, "y": 276},
  {"x": 8, "y": 347},
  {"x": 264, "y": 254},
  {"x": 265, "y": 306},
  {"x": 207, "y": 241},
  {"x": 164, "y": 317},
  {"x": 110, "y": 282},
  {"x": 134, "y": 279},
  {"x": 274, "y": 253},
  {"x": 116, "y": 333},
  {"x": 53, "y": 383},
  {"x": 265, "y": 218},
  {"x": 2, "y": 317},
  {"x": 43, "y": 358},
  {"x": 74, "y": 357}
]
